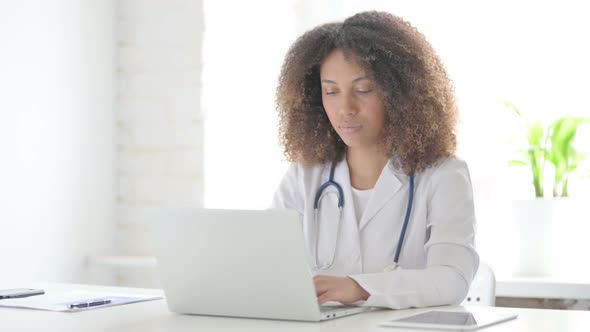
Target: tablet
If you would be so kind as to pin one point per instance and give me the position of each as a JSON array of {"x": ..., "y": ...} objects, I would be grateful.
[{"x": 466, "y": 320}]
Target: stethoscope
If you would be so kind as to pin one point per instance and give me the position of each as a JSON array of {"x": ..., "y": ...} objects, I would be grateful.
[{"x": 316, "y": 205}]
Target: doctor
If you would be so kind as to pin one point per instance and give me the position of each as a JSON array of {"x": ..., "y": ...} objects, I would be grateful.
[{"x": 367, "y": 116}]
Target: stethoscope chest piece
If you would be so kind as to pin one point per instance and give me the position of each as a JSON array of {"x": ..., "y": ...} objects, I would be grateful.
[{"x": 392, "y": 267}]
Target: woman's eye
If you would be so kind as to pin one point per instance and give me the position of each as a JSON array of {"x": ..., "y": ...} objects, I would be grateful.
[
  {"x": 331, "y": 92},
  {"x": 363, "y": 91}
]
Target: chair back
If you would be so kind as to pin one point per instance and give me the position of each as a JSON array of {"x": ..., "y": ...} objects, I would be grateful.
[{"x": 483, "y": 287}]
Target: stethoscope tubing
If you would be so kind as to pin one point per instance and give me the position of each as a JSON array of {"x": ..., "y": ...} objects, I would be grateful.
[
  {"x": 402, "y": 235},
  {"x": 330, "y": 182},
  {"x": 316, "y": 204}
]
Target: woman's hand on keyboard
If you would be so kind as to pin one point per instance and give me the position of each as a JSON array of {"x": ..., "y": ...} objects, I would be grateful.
[{"x": 340, "y": 289}]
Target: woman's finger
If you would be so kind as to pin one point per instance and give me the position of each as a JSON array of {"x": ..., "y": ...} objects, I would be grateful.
[{"x": 325, "y": 297}]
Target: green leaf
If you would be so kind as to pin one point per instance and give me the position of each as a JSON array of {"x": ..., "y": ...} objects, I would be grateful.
[
  {"x": 562, "y": 134},
  {"x": 511, "y": 106},
  {"x": 517, "y": 163},
  {"x": 535, "y": 134}
]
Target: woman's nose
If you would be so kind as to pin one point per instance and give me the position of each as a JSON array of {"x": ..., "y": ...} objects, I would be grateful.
[{"x": 348, "y": 104}]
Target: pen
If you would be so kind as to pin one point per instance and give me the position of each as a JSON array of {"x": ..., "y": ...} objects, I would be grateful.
[{"x": 88, "y": 304}]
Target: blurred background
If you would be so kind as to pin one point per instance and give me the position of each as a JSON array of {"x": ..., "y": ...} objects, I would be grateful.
[{"x": 110, "y": 108}]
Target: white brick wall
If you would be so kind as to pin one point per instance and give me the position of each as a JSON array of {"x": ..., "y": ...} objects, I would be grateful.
[{"x": 159, "y": 123}]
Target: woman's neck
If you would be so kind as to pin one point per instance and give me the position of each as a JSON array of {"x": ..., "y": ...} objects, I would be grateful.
[{"x": 365, "y": 166}]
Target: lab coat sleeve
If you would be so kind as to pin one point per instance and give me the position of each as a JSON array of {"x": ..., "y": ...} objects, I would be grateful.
[
  {"x": 451, "y": 258},
  {"x": 288, "y": 194}
]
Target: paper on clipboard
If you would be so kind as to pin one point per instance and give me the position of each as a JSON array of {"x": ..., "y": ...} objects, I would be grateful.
[{"x": 54, "y": 301}]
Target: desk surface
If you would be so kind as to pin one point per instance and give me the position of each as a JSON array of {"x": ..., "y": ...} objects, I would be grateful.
[
  {"x": 533, "y": 287},
  {"x": 154, "y": 316}
]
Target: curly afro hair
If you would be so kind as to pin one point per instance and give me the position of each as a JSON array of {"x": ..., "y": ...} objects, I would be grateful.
[{"x": 421, "y": 113}]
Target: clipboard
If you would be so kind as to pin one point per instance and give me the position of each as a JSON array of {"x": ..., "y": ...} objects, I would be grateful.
[{"x": 74, "y": 301}]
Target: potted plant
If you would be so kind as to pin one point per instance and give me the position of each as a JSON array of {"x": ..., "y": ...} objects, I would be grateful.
[
  {"x": 544, "y": 223},
  {"x": 553, "y": 145}
]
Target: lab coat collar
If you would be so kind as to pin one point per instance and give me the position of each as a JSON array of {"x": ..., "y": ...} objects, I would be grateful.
[{"x": 388, "y": 184}]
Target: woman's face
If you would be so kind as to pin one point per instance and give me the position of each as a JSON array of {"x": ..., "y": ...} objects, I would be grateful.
[{"x": 352, "y": 100}]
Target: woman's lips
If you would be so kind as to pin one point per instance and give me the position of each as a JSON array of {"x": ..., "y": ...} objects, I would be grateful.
[{"x": 349, "y": 128}]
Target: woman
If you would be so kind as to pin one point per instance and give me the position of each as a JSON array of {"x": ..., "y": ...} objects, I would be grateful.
[{"x": 369, "y": 101}]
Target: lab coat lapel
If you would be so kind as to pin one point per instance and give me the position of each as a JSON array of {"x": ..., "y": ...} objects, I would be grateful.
[{"x": 386, "y": 187}]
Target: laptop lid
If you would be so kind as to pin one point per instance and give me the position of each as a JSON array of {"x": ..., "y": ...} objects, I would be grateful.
[{"x": 239, "y": 263}]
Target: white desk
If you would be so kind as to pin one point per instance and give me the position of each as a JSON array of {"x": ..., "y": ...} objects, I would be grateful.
[
  {"x": 512, "y": 287},
  {"x": 154, "y": 316}
]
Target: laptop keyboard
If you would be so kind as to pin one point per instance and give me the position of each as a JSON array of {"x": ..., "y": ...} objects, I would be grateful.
[{"x": 331, "y": 308}]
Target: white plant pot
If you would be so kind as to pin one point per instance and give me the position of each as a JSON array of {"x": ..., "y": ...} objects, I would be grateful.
[{"x": 551, "y": 231}]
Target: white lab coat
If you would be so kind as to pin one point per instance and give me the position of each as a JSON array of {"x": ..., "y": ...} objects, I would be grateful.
[{"x": 438, "y": 259}]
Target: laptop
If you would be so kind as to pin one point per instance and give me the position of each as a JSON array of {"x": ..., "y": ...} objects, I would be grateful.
[{"x": 237, "y": 263}]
